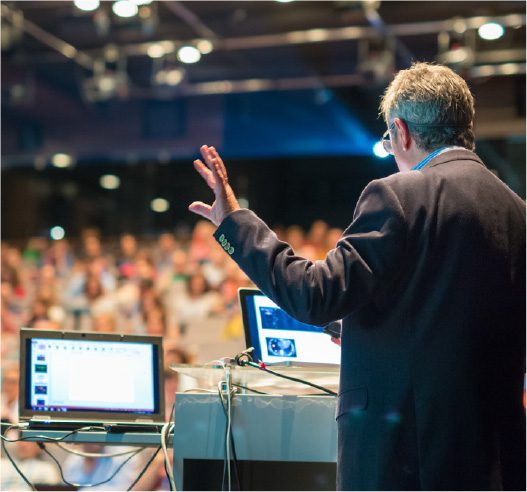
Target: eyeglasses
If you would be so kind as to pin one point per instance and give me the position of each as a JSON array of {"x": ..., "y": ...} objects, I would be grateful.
[{"x": 386, "y": 140}]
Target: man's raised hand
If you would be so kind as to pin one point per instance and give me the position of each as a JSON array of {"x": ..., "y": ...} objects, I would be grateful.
[{"x": 215, "y": 175}]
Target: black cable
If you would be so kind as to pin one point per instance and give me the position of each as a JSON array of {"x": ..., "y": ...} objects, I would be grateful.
[
  {"x": 296, "y": 380},
  {"x": 52, "y": 439},
  {"x": 233, "y": 446},
  {"x": 143, "y": 471},
  {"x": 19, "y": 471},
  {"x": 118, "y": 469},
  {"x": 250, "y": 389}
]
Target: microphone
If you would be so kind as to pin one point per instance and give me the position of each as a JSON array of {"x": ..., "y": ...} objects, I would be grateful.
[{"x": 244, "y": 357}]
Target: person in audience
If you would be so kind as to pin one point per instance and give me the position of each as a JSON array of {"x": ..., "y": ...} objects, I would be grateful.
[{"x": 199, "y": 303}]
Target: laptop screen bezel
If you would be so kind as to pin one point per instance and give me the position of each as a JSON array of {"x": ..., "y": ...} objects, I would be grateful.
[{"x": 26, "y": 413}]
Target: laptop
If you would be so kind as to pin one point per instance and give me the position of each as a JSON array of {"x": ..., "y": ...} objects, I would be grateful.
[
  {"x": 70, "y": 380},
  {"x": 279, "y": 339}
]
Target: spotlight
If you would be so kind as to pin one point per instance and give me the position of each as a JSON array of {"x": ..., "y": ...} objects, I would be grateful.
[
  {"x": 56, "y": 233},
  {"x": 109, "y": 182},
  {"x": 62, "y": 160},
  {"x": 378, "y": 150},
  {"x": 204, "y": 46},
  {"x": 491, "y": 31},
  {"x": 174, "y": 77},
  {"x": 159, "y": 205},
  {"x": 188, "y": 54},
  {"x": 87, "y": 5},
  {"x": 124, "y": 8},
  {"x": 155, "y": 51}
]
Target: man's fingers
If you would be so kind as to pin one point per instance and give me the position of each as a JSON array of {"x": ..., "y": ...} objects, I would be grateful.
[
  {"x": 205, "y": 173},
  {"x": 201, "y": 208},
  {"x": 220, "y": 165}
]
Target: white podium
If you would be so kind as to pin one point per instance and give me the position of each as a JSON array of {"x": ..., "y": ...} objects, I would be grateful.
[{"x": 276, "y": 428}]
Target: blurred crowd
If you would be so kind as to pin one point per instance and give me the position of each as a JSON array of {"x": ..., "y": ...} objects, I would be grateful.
[{"x": 157, "y": 286}]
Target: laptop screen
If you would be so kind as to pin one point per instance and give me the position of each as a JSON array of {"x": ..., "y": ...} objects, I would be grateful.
[
  {"x": 277, "y": 337},
  {"x": 93, "y": 374}
]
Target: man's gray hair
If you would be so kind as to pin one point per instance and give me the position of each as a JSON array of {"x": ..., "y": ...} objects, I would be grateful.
[{"x": 436, "y": 104}]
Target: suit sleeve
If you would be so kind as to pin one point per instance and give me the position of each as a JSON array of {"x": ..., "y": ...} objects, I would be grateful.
[{"x": 366, "y": 257}]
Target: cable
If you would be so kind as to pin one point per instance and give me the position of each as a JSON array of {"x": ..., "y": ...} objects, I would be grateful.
[
  {"x": 262, "y": 367},
  {"x": 250, "y": 389},
  {"x": 94, "y": 455},
  {"x": 118, "y": 469},
  {"x": 234, "y": 455},
  {"x": 165, "y": 432},
  {"x": 18, "y": 470},
  {"x": 229, "y": 421},
  {"x": 51, "y": 439},
  {"x": 148, "y": 463}
]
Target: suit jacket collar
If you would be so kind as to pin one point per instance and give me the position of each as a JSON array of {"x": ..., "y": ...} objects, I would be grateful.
[{"x": 454, "y": 155}]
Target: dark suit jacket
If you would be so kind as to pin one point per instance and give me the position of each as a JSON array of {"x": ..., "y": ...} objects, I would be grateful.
[{"x": 429, "y": 279}]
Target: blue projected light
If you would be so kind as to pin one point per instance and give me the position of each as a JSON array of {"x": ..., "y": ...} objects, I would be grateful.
[{"x": 293, "y": 123}]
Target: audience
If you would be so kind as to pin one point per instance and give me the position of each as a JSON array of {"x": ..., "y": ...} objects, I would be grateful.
[{"x": 128, "y": 285}]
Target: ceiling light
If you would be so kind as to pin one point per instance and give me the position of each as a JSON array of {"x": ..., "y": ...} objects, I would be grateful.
[
  {"x": 204, "y": 46},
  {"x": 159, "y": 205},
  {"x": 284, "y": 1},
  {"x": 188, "y": 54},
  {"x": 62, "y": 160},
  {"x": 141, "y": 2},
  {"x": 86, "y": 5},
  {"x": 174, "y": 77},
  {"x": 109, "y": 182},
  {"x": 124, "y": 8},
  {"x": 155, "y": 51},
  {"x": 491, "y": 31},
  {"x": 378, "y": 150},
  {"x": 56, "y": 233}
]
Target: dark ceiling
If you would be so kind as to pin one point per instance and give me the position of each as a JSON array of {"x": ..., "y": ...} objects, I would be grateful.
[{"x": 258, "y": 46}]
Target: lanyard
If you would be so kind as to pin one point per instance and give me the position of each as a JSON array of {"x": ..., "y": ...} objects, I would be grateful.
[{"x": 427, "y": 159}]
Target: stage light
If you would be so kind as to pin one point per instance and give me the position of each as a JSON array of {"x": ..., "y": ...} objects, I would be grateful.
[
  {"x": 155, "y": 51},
  {"x": 284, "y": 1},
  {"x": 56, "y": 233},
  {"x": 174, "y": 77},
  {"x": 87, "y": 5},
  {"x": 188, "y": 54},
  {"x": 62, "y": 160},
  {"x": 124, "y": 8},
  {"x": 204, "y": 46},
  {"x": 243, "y": 202},
  {"x": 491, "y": 31},
  {"x": 109, "y": 182},
  {"x": 159, "y": 205},
  {"x": 378, "y": 150}
]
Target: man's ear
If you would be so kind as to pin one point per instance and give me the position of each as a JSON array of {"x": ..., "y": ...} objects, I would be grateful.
[{"x": 403, "y": 133}]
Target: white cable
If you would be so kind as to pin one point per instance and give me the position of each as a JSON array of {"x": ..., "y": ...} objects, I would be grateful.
[
  {"x": 165, "y": 431},
  {"x": 95, "y": 455},
  {"x": 227, "y": 440}
]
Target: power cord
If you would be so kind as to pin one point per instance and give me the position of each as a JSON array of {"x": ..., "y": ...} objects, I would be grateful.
[
  {"x": 165, "y": 432},
  {"x": 18, "y": 470},
  {"x": 245, "y": 359},
  {"x": 94, "y": 455},
  {"x": 233, "y": 446},
  {"x": 42, "y": 446},
  {"x": 143, "y": 471}
]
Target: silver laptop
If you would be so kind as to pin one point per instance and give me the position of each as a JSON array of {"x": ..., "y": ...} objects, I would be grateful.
[
  {"x": 279, "y": 339},
  {"x": 72, "y": 379}
]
